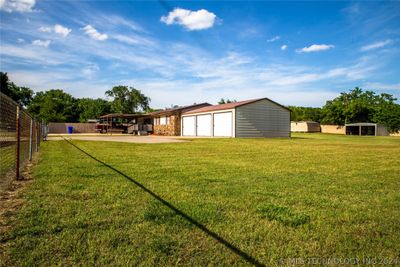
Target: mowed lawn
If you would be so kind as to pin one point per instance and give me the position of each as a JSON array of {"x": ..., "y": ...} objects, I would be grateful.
[{"x": 314, "y": 195}]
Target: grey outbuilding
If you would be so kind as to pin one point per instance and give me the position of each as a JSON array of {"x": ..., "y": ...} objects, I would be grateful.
[
  {"x": 366, "y": 128},
  {"x": 251, "y": 118}
]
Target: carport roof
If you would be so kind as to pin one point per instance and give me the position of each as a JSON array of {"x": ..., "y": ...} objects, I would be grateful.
[
  {"x": 361, "y": 124},
  {"x": 230, "y": 106}
]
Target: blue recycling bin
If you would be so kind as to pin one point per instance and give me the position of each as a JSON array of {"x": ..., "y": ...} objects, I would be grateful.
[{"x": 70, "y": 129}]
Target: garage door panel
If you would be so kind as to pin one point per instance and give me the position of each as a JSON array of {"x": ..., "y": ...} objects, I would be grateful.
[
  {"x": 223, "y": 124},
  {"x": 204, "y": 125},
  {"x": 189, "y": 126}
]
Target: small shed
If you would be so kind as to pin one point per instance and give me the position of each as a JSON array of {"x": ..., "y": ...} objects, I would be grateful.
[
  {"x": 366, "y": 128},
  {"x": 305, "y": 126},
  {"x": 250, "y": 118}
]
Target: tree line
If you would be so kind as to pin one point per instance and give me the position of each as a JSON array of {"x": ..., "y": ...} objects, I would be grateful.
[
  {"x": 354, "y": 106},
  {"x": 58, "y": 106},
  {"x": 55, "y": 105}
]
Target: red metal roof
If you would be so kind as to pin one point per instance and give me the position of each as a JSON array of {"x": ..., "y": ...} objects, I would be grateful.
[
  {"x": 178, "y": 109},
  {"x": 229, "y": 106}
]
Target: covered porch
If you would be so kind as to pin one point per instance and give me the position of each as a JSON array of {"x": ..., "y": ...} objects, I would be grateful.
[{"x": 138, "y": 124}]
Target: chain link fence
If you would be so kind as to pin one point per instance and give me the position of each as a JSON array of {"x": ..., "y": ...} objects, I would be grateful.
[{"x": 20, "y": 137}]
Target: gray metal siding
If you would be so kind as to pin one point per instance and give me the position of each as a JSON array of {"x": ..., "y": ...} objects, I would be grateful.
[
  {"x": 381, "y": 130},
  {"x": 262, "y": 119}
]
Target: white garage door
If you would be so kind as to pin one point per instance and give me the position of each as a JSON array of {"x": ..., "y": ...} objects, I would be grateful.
[
  {"x": 189, "y": 126},
  {"x": 204, "y": 125},
  {"x": 223, "y": 124}
]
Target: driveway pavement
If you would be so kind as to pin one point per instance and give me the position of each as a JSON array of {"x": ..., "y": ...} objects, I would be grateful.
[{"x": 119, "y": 138}]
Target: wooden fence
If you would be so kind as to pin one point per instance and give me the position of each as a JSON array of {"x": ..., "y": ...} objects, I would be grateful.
[
  {"x": 333, "y": 129},
  {"x": 62, "y": 128}
]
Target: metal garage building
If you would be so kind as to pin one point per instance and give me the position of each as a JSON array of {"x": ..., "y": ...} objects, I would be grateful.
[
  {"x": 365, "y": 128},
  {"x": 251, "y": 118}
]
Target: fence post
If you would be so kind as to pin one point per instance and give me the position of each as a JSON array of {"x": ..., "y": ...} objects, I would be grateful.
[
  {"x": 40, "y": 135},
  {"x": 44, "y": 130},
  {"x": 18, "y": 139},
  {"x": 37, "y": 137},
  {"x": 31, "y": 140}
]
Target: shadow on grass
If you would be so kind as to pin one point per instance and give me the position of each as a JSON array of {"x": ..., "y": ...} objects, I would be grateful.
[{"x": 245, "y": 256}]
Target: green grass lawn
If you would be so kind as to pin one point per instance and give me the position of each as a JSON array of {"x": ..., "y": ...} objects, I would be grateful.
[{"x": 314, "y": 195}]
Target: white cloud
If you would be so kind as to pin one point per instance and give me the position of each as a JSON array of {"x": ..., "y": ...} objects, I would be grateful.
[
  {"x": 61, "y": 30},
  {"x": 17, "y": 5},
  {"x": 45, "y": 43},
  {"x": 120, "y": 21},
  {"x": 35, "y": 55},
  {"x": 273, "y": 39},
  {"x": 48, "y": 79},
  {"x": 181, "y": 66},
  {"x": 352, "y": 9},
  {"x": 94, "y": 34},
  {"x": 283, "y": 47},
  {"x": 315, "y": 48},
  {"x": 166, "y": 71},
  {"x": 90, "y": 71},
  {"x": 212, "y": 91},
  {"x": 376, "y": 45},
  {"x": 191, "y": 20},
  {"x": 20, "y": 40},
  {"x": 45, "y": 29},
  {"x": 381, "y": 86},
  {"x": 133, "y": 39}
]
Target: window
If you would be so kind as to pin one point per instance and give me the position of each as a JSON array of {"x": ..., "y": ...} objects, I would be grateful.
[
  {"x": 168, "y": 120},
  {"x": 163, "y": 120}
]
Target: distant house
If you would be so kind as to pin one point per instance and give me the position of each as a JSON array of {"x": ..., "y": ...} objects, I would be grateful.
[
  {"x": 305, "y": 126},
  {"x": 251, "y": 118},
  {"x": 168, "y": 121}
]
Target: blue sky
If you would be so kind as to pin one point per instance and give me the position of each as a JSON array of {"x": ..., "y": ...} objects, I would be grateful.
[{"x": 296, "y": 53}]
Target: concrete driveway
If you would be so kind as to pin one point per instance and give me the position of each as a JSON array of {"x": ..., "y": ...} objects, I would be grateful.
[{"x": 119, "y": 138}]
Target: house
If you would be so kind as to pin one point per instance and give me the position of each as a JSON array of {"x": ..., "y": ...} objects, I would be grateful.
[
  {"x": 366, "y": 128},
  {"x": 305, "y": 126},
  {"x": 168, "y": 121},
  {"x": 251, "y": 118}
]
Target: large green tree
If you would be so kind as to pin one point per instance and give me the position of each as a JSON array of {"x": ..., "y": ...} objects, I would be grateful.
[
  {"x": 306, "y": 113},
  {"x": 225, "y": 101},
  {"x": 387, "y": 112},
  {"x": 362, "y": 106},
  {"x": 22, "y": 95},
  {"x": 127, "y": 99},
  {"x": 354, "y": 106},
  {"x": 92, "y": 108},
  {"x": 54, "y": 106}
]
